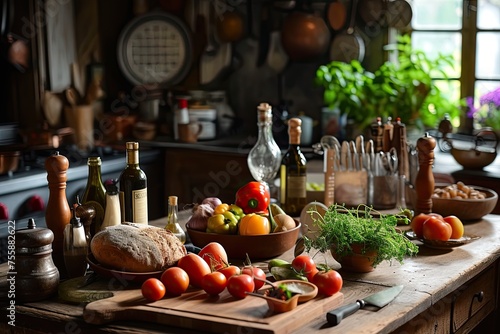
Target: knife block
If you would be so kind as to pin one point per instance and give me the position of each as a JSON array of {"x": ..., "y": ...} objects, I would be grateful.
[{"x": 351, "y": 187}]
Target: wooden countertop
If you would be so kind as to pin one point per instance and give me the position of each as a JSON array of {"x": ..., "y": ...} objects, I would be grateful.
[{"x": 429, "y": 277}]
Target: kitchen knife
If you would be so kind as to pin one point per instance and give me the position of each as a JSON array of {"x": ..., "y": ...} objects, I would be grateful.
[
  {"x": 345, "y": 156},
  {"x": 379, "y": 299}
]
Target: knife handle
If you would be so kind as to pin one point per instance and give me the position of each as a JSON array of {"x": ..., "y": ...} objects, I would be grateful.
[{"x": 334, "y": 317}]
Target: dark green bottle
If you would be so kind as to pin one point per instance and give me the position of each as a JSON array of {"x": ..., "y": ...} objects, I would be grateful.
[
  {"x": 133, "y": 188},
  {"x": 95, "y": 193},
  {"x": 293, "y": 194}
]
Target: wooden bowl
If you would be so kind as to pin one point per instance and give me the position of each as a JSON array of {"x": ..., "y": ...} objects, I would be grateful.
[
  {"x": 466, "y": 209},
  {"x": 264, "y": 246},
  {"x": 473, "y": 159},
  {"x": 121, "y": 276}
]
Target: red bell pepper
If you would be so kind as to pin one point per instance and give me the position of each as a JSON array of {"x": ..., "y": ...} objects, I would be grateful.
[{"x": 253, "y": 197}]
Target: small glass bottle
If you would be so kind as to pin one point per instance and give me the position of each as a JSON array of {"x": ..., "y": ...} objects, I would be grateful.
[
  {"x": 95, "y": 193},
  {"x": 75, "y": 247},
  {"x": 172, "y": 223},
  {"x": 112, "y": 216},
  {"x": 293, "y": 173},
  {"x": 133, "y": 188},
  {"x": 265, "y": 157}
]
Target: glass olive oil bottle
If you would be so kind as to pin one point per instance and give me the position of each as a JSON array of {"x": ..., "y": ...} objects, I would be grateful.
[
  {"x": 293, "y": 172},
  {"x": 133, "y": 188},
  {"x": 95, "y": 193}
]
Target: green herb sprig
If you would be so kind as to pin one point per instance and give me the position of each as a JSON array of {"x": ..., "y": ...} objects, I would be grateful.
[{"x": 341, "y": 228}]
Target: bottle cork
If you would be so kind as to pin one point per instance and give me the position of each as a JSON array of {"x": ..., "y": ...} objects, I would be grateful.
[
  {"x": 424, "y": 182},
  {"x": 294, "y": 130}
]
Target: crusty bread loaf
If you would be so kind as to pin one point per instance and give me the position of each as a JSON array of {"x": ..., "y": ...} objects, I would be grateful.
[{"x": 136, "y": 248}]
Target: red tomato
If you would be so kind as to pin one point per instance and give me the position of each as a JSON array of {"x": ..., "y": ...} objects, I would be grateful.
[
  {"x": 457, "y": 227},
  {"x": 257, "y": 274},
  {"x": 214, "y": 283},
  {"x": 311, "y": 274},
  {"x": 435, "y": 228},
  {"x": 153, "y": 289},
  {"x": 303, "y": 264},
  {"x": 328, "y": 282},
  {"x": 239, "y": 285},
  {"x": 176, "y": 281},
  {"x": 230, "y": 271},
  {"x": 195, "y": 267},
  {"x": 417, "y": 223},
  {"x": 215, "y": 255}
]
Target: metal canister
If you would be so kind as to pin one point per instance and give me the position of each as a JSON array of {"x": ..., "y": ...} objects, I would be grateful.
[{"x": 36, "y": 275}]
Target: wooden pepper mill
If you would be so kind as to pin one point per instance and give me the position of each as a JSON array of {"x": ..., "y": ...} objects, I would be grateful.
[
  {"x": 424, "y": 182},
  {"x": 58, "y": 213}
]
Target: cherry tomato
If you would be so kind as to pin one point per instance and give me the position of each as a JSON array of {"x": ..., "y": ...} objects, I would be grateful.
[
  {"x": 153, "y": 289},
  {"x": 328, "y": 282},
  {"x": 457, "y": 227},
  {"x": 303, "y": 264},
  {"x": 176, "y": 281},
  {"x": 230, "y": 271},
  {"x": 195, "y": 267},
  {"x": 239, "y": 285},
  {"x": 417, "y": 223},
  {"x": 435, "y": 228},
  {"x": 214, "y": 283},
  {"x": 257, "y": 274},
  {"x": 215, "y": 255}
]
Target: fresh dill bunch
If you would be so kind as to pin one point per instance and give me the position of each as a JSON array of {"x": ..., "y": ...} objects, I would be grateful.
[{"x": 341, "y": 228}]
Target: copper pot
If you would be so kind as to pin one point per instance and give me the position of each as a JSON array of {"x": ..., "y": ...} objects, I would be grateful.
[
  {"x": 304, "y": 36},
  {"x": 9, "y": 161}
]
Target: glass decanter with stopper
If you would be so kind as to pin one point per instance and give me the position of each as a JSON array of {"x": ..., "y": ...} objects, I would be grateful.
[
  {"x": 172, "y": 220},
  {"x": 265, "y": 157}
]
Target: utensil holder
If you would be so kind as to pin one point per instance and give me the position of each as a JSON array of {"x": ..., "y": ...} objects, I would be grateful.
[
  {"x": 384, "y": 190},
  {"x": 81, "y": 119}
]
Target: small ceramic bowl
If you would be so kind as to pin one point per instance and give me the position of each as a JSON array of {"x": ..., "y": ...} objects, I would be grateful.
[
  {"x": 466, "y": 209},
  {"x": 264, "y": 246},
  {"x": 303, "y": 292}
]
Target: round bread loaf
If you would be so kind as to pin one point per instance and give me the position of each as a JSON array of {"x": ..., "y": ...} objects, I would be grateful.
[{"x": 135, "y": 248}]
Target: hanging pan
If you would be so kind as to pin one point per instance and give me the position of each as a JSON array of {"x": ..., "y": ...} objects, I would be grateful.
[
  {"x": 399, "y": 14},
  {"x": 348, "y": 45}
]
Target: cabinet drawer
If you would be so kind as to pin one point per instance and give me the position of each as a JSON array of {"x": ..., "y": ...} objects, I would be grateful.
[{"x": 473, "y": 301}]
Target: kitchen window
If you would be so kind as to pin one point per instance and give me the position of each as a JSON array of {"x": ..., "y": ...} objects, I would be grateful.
[{"x": 468, "y": 30}]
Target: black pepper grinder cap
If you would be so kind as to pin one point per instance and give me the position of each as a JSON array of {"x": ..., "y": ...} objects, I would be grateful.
[{"x": 30, "y": 239}]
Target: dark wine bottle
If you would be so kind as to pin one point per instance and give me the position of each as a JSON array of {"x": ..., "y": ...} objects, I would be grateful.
[
  {"x": 133, "y": 188},
  {"x": 95, "y": 194},
  {"x": 293, "y": 172}
]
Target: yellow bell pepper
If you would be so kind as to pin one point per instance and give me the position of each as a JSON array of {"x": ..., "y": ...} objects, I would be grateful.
[{"x": 254, "y": 224}]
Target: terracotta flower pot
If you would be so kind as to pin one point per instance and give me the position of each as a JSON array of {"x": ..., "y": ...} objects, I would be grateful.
[{"x": 357, "y": 261}]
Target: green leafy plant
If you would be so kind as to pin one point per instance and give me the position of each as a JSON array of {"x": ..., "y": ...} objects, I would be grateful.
[
  {"x": 341, "y": 228},
  {"x": 403, "y": 89}
]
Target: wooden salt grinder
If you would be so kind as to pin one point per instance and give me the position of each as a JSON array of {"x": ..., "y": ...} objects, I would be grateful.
[
  {"x": 58, "y": 213},
  {"x": 424, "y": 182}
]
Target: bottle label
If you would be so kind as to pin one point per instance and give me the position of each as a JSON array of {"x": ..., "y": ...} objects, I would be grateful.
[
  {"x": 140, "y": 206},
  {"x": 296, "y": 187}
]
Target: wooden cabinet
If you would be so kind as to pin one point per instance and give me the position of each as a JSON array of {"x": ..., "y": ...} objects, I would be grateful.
[
  {"x": 462, "y": 310},
  {"x": 193, "y": 174}
]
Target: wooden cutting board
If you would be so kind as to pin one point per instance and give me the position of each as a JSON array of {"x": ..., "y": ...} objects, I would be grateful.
[{"x": 197, "y": 311}]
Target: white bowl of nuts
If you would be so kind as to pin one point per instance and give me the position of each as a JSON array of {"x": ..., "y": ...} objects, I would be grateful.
[{"x": 464, "y": 201}]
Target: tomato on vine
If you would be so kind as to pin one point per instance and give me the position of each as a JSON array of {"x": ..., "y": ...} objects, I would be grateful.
[{"x": 328, "y": 281}]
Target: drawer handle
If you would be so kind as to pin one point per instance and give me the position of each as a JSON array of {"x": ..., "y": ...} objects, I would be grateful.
[{"x": 479, "y": 296}]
